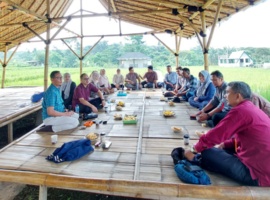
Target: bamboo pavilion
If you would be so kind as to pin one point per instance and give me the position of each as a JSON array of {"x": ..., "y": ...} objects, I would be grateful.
[{"x": 138, "y": 163}]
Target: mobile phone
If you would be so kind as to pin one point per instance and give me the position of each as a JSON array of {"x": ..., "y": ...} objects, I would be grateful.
[
  {"x": 192, "y": 168},
  {"x": 107, "y": 145}
]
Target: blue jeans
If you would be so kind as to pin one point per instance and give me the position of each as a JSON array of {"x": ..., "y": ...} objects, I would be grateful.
[
  {"x": 187, "y": 95},
  {"x": 197, "y": 104},
  {"x": 148, "y": 85},
  {"x": 225, "y": 162}
]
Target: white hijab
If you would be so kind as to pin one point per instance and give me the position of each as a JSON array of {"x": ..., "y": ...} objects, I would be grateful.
[{"x": 66, "y": 87}]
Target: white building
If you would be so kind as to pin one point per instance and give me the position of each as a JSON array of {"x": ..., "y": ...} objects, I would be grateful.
[
  {"x": 134, "y": 59},
  {"x": 236, "y": 59}
]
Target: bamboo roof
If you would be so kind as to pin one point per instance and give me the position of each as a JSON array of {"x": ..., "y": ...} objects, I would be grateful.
[
  {"x": 10, "y": 14},
  {"x": 168, "y": 21}
]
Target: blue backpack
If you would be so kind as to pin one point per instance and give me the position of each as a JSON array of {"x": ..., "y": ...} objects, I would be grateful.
[{"x": 195, "y": 177}]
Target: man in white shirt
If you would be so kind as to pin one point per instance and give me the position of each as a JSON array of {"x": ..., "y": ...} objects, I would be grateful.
[{"x": 118, "y": 80}]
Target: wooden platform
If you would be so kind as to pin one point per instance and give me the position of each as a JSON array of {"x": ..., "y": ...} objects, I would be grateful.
[{"x": 137, "y": 164}]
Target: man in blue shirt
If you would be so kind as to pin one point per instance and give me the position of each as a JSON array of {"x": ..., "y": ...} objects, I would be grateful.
[
  {"x": 170, "y": 79},
  {"x": 55, "y": 117}
]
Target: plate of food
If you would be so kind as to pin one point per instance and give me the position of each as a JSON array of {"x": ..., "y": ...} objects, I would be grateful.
[
  {"x": 117, "y": 116},
  {"x": 147, "y": 96},
  {"x": 168, "y": 113},
  {"x": 92, "y": 136},
  {"x": 118, "y": 108},
  {"x": 162, "y": 98},
  {"x": 171, "y": 103},
  {"x": 177, "y": 129},
  {"x": 130, "y": 119},
  {"x": 120, "y": 103},
  {"x": 113, "y": 101}
]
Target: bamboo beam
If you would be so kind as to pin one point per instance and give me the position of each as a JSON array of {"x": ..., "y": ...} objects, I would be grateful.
[
  {"x": 120, "y": 30},
  {"x": 20, "y": 24},
  {"x": 163, "y": 44},
  {"x": 179, "y": 42},
  {"x": 13, "y": 54},
  {"x": 4, "y": 67},
  {"x": 70, "y": 48},
  {"x": 35, "y": 33},
  {"x": 220, "y": 2},
  {"x": 199, "y": 39},
  {"x": 47, "y": 52},
  {"x": 203, "y": 28},
  {"x": 208, "y": 3},
  {"x": 25, "y": 9},
  {"x": 11, "y": 41},
  {"x": 176, "y": 48},
  {"x": 60, "y": 29},
  {"x": 43, "y": 190},
  {"x": 188, "y": 23},
  {"x": 1, "y": 62},
  {"x": 113, "y": 5},
  {"x": 81, "y": 58},
  {"x": 92, "y": 47}
]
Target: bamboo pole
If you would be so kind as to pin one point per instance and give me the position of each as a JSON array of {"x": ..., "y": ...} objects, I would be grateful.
[
  {"x": 203, "y": 28},
  {"x": 60, "y": 29},
  {"x": 35, "y": 33},
  {"x": 13, "y": 54},
  {"x": 10, "y": 132},
  {"x": 179, "y": 42},
  {"x": 70, "y": 48},
  {"x": 120, "y": 30},
  {"x": 199, "y": 39},
  {"x": 164, "y": 44},
  {"x": 21, "y": 24},
  {"x": 1, "y": 62},
  {"x": 4, "y": 67},
  {"x": 176, "y": 48},
  {"x": 220, "y": 2},
  {"x": 81, "y": 59},
  {"x": 92, "y": 47},
  {"x": 188, "y": 23},
  {"x": 11, "y": 41},
  {"x": 47, "y": 53}
]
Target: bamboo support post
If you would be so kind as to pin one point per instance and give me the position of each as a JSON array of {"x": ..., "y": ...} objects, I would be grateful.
[
  {"x": 60, "y": 29},
  {"x": 4, "y": 67},
  {"x": 120, "y": 30},
  {"x": 13, "y": 54},
  {"x": 1, "y": 62},
  {"x": 189, "y": 23},
  {"x": 220, "y": 2},
  {"x": 179, "y": 42},
  {"x": 164, "y": 44},
  {"x": 81, "y": 58},
  {"x": 199, "y": 39},
  {"x": 70, "y": 49},
  {"x": 92, "y": 47},
  {"x": 35, "y": 33},
  {"x": 10, "y": 132},
  {"x": 176, "y": 48},
  {"x": 205, "y": 51},
  {"x": 47, "y": 53},
  {"x": 43, "y": 192}
]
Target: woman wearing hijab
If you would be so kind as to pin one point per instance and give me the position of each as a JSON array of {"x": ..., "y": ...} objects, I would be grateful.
[
  {"x": 94, "y": 79},
  {"x": 118, "y": 80},
  {"x": 104, "y": 83},
  {"x": 205, "y": 91},
  {"x": 67, "y": 90}
]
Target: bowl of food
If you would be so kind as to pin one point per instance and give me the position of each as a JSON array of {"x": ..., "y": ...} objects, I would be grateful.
[
  {"x": 130, "y": 119},
  {"x": 168, "y": 113},
  {"x": 147, "y": 96},
  {"x": 177, "y": 129},
  {"x": 120, "y": 103},
  {"x": 162, "y": 98},
  {"x": 117, "y": 116},
  {"x": 92, "y": 136},
  {"x": 113, "y": 101},
  {"x": 171, "y": 103},
  {"x": 118, "y": 108}
]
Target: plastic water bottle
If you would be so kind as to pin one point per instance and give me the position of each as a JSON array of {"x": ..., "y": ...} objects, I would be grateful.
[
  {"x": 109, "y": 104},
  {"x": 77, "y": 109},
  {"x": 137, "y": 86},
  {"x": 153, "y": 86}
]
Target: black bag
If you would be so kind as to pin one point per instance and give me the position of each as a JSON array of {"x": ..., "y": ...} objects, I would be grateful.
[
  {"x": 89, "y": 116},
  {"x": 178, "y": 154}
]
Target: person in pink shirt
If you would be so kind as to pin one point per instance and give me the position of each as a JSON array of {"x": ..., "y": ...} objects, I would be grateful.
[
  {"x": 243, "y": 139},
  {"x": 104, "y": 83}
]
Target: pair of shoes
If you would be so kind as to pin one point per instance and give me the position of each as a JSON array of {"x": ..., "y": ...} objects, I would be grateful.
[
  {"x": 178, "y": 154},
  {"x": 176, "y": 100}
]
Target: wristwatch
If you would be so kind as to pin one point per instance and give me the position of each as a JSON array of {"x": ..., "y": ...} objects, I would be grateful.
[{"x": 102, "y": 99}]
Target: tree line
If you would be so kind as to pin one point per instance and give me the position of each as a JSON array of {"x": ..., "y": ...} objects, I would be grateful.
[{"x": 105, "y": 55}]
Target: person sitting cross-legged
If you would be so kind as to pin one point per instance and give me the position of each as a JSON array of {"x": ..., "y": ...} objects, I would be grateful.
[
  {"x": 243, "y": 137},
  {"x": 217, "y": 108},
  {"x": 67, "y": 90},
  {"x": 104, "y": 83},
  {"x": 118, "y": 80},
  {"x": 150, "y": 78},
  {"x": 55, "y": 117},
  {"x": 180, "y": 84},
  {"x": 170, "y": 80},
  {"x": 131, "y": 80},
  {"x": 190, "y": 87},
  {"x": 81, "y": 96},
  {"x": 204, "y": 92}
]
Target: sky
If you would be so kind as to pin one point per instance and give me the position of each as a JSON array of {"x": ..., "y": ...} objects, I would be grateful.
[{"x": 246, "y": 29}]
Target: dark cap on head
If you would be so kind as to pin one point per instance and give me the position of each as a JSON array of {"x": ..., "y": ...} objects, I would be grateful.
[{"x": 150, "y": 67}]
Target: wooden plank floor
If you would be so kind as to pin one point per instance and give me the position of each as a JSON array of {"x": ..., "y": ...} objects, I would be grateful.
[
  {"x": 10, "y": 97},
  {"x": 119, "y": 161}
]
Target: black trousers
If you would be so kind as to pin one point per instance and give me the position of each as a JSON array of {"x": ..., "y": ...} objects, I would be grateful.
[
  {"x": 95, "y": 102},
  {"x": 224, "y": 162},
  {"x": 216, "y": 118},
  {"x": 121, "y": 86}
]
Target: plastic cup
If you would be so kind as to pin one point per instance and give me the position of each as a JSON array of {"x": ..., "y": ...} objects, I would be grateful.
[{"x": 54, "y": 139}]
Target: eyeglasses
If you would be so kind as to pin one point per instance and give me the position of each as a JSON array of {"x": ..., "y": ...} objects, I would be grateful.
[
  {"x": 59, "y": 78},
  {"x": 86, "y": 79}
]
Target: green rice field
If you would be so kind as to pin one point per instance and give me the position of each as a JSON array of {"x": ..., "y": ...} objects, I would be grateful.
[{"x": 258, "y": 79}]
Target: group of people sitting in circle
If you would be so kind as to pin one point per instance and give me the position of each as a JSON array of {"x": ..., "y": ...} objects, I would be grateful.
[{"x": 238, "y": 145}]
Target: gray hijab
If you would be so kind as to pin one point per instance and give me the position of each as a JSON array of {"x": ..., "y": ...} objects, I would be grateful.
[
  {"x": 66, "y": 87},
  {"x": 201, "y": 87}
]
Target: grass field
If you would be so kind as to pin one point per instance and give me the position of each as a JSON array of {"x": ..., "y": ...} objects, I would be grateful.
[{"x": 258, "y": 79}]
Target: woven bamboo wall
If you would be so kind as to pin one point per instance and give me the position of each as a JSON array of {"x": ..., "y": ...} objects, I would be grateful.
[{"x": 10, "y": 15}]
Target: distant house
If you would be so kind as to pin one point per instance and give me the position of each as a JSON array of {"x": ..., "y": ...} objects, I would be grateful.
[
  {"x": 134, "y": 59},
  {"x": 236, "y": 59},
  {"x": 35, "y": 63}
]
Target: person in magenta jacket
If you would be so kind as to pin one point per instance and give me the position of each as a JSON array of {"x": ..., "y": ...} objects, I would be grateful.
[{"x": 243, "y": 137}]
